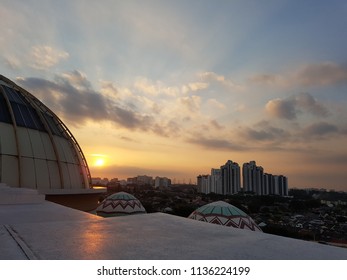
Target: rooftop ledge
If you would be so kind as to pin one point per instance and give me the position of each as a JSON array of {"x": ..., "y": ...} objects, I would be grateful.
[{"x": 73, "y": 191}]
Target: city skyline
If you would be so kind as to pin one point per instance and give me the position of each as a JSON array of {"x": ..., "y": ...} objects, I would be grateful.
[{"x": 172, "y": 88}]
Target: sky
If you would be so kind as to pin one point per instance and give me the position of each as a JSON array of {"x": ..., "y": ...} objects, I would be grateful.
[{"x": 175, "y": 88}]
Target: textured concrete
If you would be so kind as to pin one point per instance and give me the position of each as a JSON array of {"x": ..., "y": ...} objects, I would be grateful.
[
  {"x": 10, "y": 250},
  {"x": 159, "y": 236},
  {"x": 50, "y": 231}
]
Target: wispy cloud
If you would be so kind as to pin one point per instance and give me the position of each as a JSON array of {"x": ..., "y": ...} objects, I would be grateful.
[
  {"x": 317, "y": 74},
  {"x": 43, "y": 57},
  {"x": 214, "y": 143},
  {"x": 322, "y": 74},
  {"x": 212, "y": 77},
  {"x": 12, "y": 62},
  {"x": 191, "y": 87},
  {"x": 191, "y": 103}
]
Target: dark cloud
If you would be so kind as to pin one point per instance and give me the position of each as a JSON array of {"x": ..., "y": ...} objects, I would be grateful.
[
  {"x": 327, "y": 73},
  {"x": 320, "y": 129},
  {"x": 123, "y": 172},
  {"x": 72, "y": 97},
  {"x": 330, "y": 158},
  {"x": 306, "y": 102},
  {"x": 216, "y": 144},
  {"x": 289, "y": 108},
  {"x": 267, "y": 79},
  {"x": 318, "y": 74},
  {"x": 265, "y": 134}
]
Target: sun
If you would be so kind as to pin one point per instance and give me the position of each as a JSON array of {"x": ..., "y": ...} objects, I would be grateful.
[{"x": 99, "y": 162}]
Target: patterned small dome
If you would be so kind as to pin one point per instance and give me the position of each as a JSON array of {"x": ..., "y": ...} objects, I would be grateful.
[
  {"x": 222, "y": 213},
  {"x": 118, "y": 204}
]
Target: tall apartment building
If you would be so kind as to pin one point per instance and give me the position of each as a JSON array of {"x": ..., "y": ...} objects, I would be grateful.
[
  {"x": 215, "y": 181},
  {"x": 203, "y": 184},
  {"x": 226, "y": 180},
  {"x": 269, "y": 184},
  {"x": 253, "y": 178},
  {"x": 275, "y": 185},
  {"x": 230, "y": 173},
  {"x": 281, "y": 185}
]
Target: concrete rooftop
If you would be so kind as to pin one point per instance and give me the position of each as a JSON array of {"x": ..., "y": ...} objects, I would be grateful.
[{"x": 44, "y": 230}]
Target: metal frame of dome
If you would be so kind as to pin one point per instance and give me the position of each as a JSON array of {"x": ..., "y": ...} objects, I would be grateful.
[{"x": 26, "y": 120}]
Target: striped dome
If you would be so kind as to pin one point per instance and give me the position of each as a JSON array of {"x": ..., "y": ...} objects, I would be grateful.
[
  {"x": 222, "y": 213},
  {"x": 120, "y": 203}
]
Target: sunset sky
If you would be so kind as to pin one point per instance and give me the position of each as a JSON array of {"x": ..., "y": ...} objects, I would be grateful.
[{"x": 175, "y": 88}]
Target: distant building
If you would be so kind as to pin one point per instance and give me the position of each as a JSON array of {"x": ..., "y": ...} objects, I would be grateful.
[
  {"x": 202, "y": 183},
  {"x": 269, "y": 184},
  {"x": 227, "y": 180},
  {"x": 144, "y": 180},
  {"x": 281, "y": 185},
  {"x": 215, "y": 181},
  {"x": 162, "y": 182},
  {"x": 253, "y": 178},
  {"x": 97, "y": 181},
  {"x": 230, "y": 173}
]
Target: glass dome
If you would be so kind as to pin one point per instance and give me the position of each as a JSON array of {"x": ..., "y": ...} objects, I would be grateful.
[{"x": 37, "y": 150}]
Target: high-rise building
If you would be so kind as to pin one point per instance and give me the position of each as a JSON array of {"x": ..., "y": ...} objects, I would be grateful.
[
  {"x": 281, "y": 185},
  {"x": 215, "y": 181},
  {"x": 253, "y": 178},
  {"x": 269, "y": 185},
  {"x": 230, "y": 173},
  {"x": 202, "y": 182},
  {"x": 226, "y": 180}
]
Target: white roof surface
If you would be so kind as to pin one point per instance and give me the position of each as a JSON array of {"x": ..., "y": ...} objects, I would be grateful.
[{"x": 49, "y": 231}]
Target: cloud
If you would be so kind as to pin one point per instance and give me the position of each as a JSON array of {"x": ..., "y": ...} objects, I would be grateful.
[
  {"x": 192, "y": 103},
  {"x": 71, "y": 96},
  {"x": 151, "y": 88},
  {"x": 281, "y": 108},
  {"x": 263, "y": 131},
  {"x": 214, "y": 144},
  {"x": 322, "y": 74},
  {"x": 320, "y": 129},
  {"x": 43, "y": 57},
  {"x": 216, "y": 125},
  {"x": 12, "y": 62},
  {"x": 123, "y": 171},
  {"x": 108, "y": 88},
  {"x": 267, "y": 79},
  {"x": 196, "y": 86},
  {"x": 289, "y": 108},
  {"x": 317, "y": 74},
  {"x": 214, "y": 103},
  {"x": 212, "y": 77}
]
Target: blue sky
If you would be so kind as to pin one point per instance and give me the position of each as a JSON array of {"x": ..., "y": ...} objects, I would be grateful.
[{"x": 178, "y": 87}]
